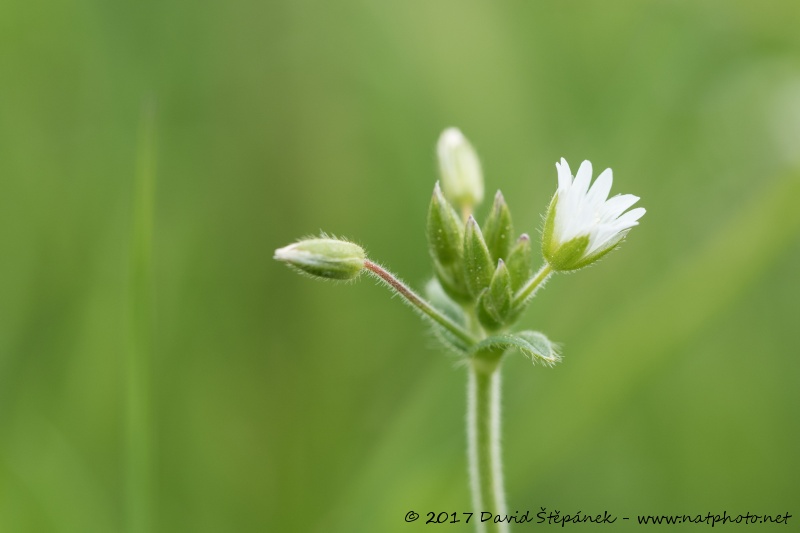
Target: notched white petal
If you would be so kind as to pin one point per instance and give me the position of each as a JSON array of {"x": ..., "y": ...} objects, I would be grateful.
[
  {"x": 601, "y": 187},
  {"x": 630, "y": 218},
  {"x": 584, "y": 211},
  {"x": 583, "y": 177},
  {"x": 564, "y": 175}
]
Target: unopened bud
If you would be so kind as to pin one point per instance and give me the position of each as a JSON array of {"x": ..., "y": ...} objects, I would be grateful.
[
  {"x": 498, "y": 229},
  {"x": 462, "y": 178},
  {"x": 324, "y": 258},
  {"x": 494, "y": 304},
  {"x": 520, "y": 265},
  {"x": 478, "y": 266},
  {"x": 445, "y": 230}
]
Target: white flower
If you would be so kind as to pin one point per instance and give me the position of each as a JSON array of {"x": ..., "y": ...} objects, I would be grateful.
[
  {"x": 462, "y": 178},
  {"x": 582, "y": 223}
]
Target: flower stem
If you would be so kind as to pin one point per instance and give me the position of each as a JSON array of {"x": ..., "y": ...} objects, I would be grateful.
[
  {"x": 483, "y": 434},
  {"x": 417, "y": 301},
  {"x": 534, "y": 283}
]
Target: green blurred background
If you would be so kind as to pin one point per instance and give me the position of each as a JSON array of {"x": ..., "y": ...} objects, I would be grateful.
[{"x": 160, "y": 372}]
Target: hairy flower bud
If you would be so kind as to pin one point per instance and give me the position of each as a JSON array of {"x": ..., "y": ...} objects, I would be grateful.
[
  {"x": 494, "y": 304},
  {"x": 498, "y": 229},
  {"x": 478, "y": 266},
  {"x": 324, "y": 258}
]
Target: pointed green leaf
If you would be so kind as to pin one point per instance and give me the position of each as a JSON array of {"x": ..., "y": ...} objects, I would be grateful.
[
  {"x": 478, "y": 265},
  {"x": 499, "y": 230},
  {"x": 520, "y": 263},
  {"x": 532, "y": 344}
]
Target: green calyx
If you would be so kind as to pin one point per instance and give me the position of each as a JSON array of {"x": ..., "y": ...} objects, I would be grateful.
[
  {"x": 445, "y": 230},
  {"x": 561, "y": 256},
  {"x": 324, "y": 258},
  {"x": 498, "y": 229},
  {"x": 494, "y": 303},
  {"x": 520, "y": 262},
  {"x": 478, "y": 264},
  {"x": 446, "y": 244}
]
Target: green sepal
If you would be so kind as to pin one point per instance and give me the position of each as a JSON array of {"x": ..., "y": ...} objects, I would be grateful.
[
  {"x": 520, "y": 262},
  {"x": 596, "y": 256},
  {"x": 531, "y": 344},
  {"x": 498, "y": 229},
  {"x": 494, "y": 303},
  {"x": 548, "y": 245},
  {"x": 324, "y": 257},
  {"x": 451, "y": 278},
  {"x": 569, "y": 256},
  {"x": 445, "y": 230},
  {"x": 478, "y": 264}
]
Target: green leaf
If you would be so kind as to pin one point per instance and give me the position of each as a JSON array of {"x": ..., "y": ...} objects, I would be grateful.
[
  {"x": 532, "y": 344},
  {"x": 498, "y": 229},
  {"x": 478, "y": 264}
]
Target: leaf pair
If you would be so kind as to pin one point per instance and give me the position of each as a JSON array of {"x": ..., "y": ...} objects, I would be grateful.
[{"x": 532, "y": 344}]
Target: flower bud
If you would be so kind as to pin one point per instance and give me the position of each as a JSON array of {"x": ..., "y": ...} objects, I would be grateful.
[
  {"x": 478, "y": 266},
  {"x": 462, "y": 178},
  {"x": 324, "y": 258},
  {"x": 445, "y": 242},
  {"x": 445, "y": 230},
  {"x": 520, "y": 264},
  {"x": 494, "y": 304},
  {"x": 498, "y": 229}
]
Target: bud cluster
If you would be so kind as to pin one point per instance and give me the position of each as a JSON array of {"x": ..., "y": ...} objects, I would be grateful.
[
  {"x": 480, "y": 267},
  {"x": 485, "y": 272}
]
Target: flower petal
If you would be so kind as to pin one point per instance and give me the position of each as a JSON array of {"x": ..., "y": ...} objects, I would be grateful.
[
  {"x": 583, "y": 177},
  {"x": 629, "y": 219},
  {"x": 600, "y": 188},
  {"x": 564, "y": 175},
  {"x": 616, "y": 205}
]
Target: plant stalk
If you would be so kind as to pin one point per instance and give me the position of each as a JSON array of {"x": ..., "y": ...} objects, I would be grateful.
[
  {"x": 483, "y": 434},
  {"x": 417, "y": 301},
  {"x": 529, "y": 289}
]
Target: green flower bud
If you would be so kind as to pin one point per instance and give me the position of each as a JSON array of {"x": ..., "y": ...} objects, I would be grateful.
[
  {"x": 478, "y": 265},
  {"x": 324, "y": 258},
  {"x": 520, "y": 262},
  {"x": 498, "y": 229},
  {"x": 494, "y": 304},
  {"x": 462, "y": 178},
  {"x": 445, "y": 230},
  {"x": 445, "y": 243}
]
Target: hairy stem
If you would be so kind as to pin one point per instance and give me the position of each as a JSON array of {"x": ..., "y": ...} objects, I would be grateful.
[
  {"x": 483, "y": 434},
  {"x": 417, "y": 301},
  {"x": 532, "y": 284}
]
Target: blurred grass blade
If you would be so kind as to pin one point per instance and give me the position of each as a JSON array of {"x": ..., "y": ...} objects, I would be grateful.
[{"x": 138, "y": 467}]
